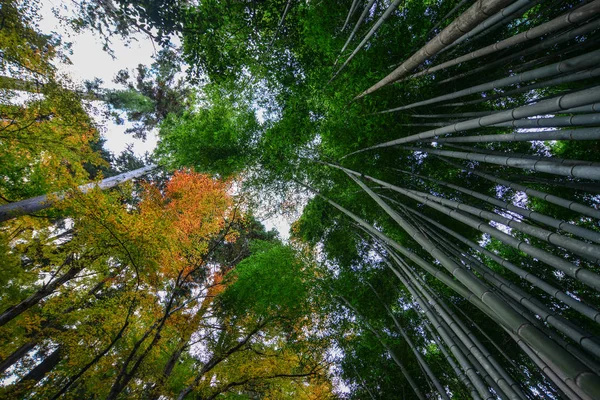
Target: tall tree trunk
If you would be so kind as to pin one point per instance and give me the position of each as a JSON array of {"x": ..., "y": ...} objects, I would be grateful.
[
  {"x": 358, "y": 23},
  {"x": 572, "y": 77},
  {"x": 39, "y": 203},
  {"x": 218, "y": 358},
  {"x": 545, "y": 44},
  {"x": 20, "y": 389},
  {"x": 46, "y": 290},
  {"x": 511, "y": 12},
  {"x": 457, "y": 371},
  {"x": 570, "y": 366},
  {"x": 380, "y": 21},
  {"x": 280, "y": 24},
  {"x": 578, "y": 63},
  {"x": 98, "y": 357},
  {"x": 576, "y": 271},
  {"x": 576, "y": 171},
  {"x": 589, "y": 250},
  {"x": 155, "y": 391},
  {"x": 125, "y": 374},
  {"x": 535, "y": 306},
  {"x": 554, "y": 122},
  {"x": 577, "y": 305},
  {"x": 414, "y": 349},
  {"x": 477, "y": 13},
  {"x": 389, "y": 350},
  {"x": 17, "y": 355},
  {"x": 559, "y": 201},
  {"x": 475, "y": 380},
  {"x": 579, "y": 15},
  {"x": 571, "y": 134},
  {"x": 564, "y": 102},
  {"x": 350, "y": 12}
]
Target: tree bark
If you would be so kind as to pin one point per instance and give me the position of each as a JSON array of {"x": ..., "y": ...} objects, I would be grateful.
[
  {"x": 578, "y": 63},
  {"x": 477, "y": 13},
  {"x": 545, "y": 44},
  {"x": 358, "y": 23},
  {"x": 46, "y": 290},
  {"x": 380, "y": 21},
  {"x": 39, "y": 203},
  {"x": 564, "y": 102},
  {"x": 17, "y": 355},
  {"x": 579, "y": 15}
]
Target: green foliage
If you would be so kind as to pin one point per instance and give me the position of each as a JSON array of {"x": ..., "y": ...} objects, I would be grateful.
[
  {"x": 130, "y": 100},
  {"x": 271, "y": 282},
  {"x": 216, "y": 138}
]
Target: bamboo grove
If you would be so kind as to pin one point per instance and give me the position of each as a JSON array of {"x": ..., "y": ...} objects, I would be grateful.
[
  {"x": 446, "y": 154},
  {"x": 531, "y": 267}
]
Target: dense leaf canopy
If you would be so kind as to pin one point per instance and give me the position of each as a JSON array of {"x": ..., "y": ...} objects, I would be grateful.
[{"x": 441, "y": 158}]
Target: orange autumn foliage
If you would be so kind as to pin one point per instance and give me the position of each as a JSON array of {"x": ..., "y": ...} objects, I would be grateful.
[{"x": 193, "y": 210}]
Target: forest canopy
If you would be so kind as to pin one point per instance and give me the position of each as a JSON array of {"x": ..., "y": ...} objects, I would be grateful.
[{"x": 438, "y": 162}]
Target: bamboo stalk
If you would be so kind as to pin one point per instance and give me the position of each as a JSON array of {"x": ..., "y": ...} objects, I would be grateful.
[{"x": 564, "y": 102}]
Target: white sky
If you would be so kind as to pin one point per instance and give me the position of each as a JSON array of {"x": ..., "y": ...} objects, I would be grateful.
[{"x": 89, "y": 61}]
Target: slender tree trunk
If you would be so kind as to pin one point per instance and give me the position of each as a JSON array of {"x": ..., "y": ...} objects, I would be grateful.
[
  {"x": 579, "y": 15},
  {"x": 559, "y": 201},
  {"x": 35, "y": 338},
  {"x": 576, "y": 271},
  {"x": 576, "y": 246},
  {"x": 577, "y": 305},
  {"x": 17, "y": 355},
  {"x": 546, "y": 44},
  {"x": 97, "y": 358},
  {"x": 531, "y": 303},
  {"x": 476, "y": 381},
  {"x": 46, "y": 290},
  {"x": 358, "y": 23},
  {"x": 363, "y": 384},
  {"x": 216, "y": 359},
  {"x": 577, "y": 171},
  {"x": 37, "y": 373},
  {"x": 167, "y": 371},
  {"x": 554, "y": 122},
  {"x": 561, "y": 161},
  {"x": 477, "y": 13},
  {"x": 505, "y": 314},
  {"x": 574, "y": 64},
  {"x": 350, "y": 12},
  {"x": 392, "y": 354},
  {"x": 414, "y": 349},
  {"x": 564, "y": 102},
  {"x": 125, "y": 376},
  {"x": 571, "y": 134},
  {"x": 511, "y": 12},
  {"x": 550, "y": 373},
  {"x": 39, "y": 203},
  {"x": 572, "y": 77},
  {"x": 480, "y": 354},
  {"x": 459, "y": 373},
  {"x": 380, "y": 21},
  {"x": 280, "y": 24},
  {"x": 155, "y": 392}
]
